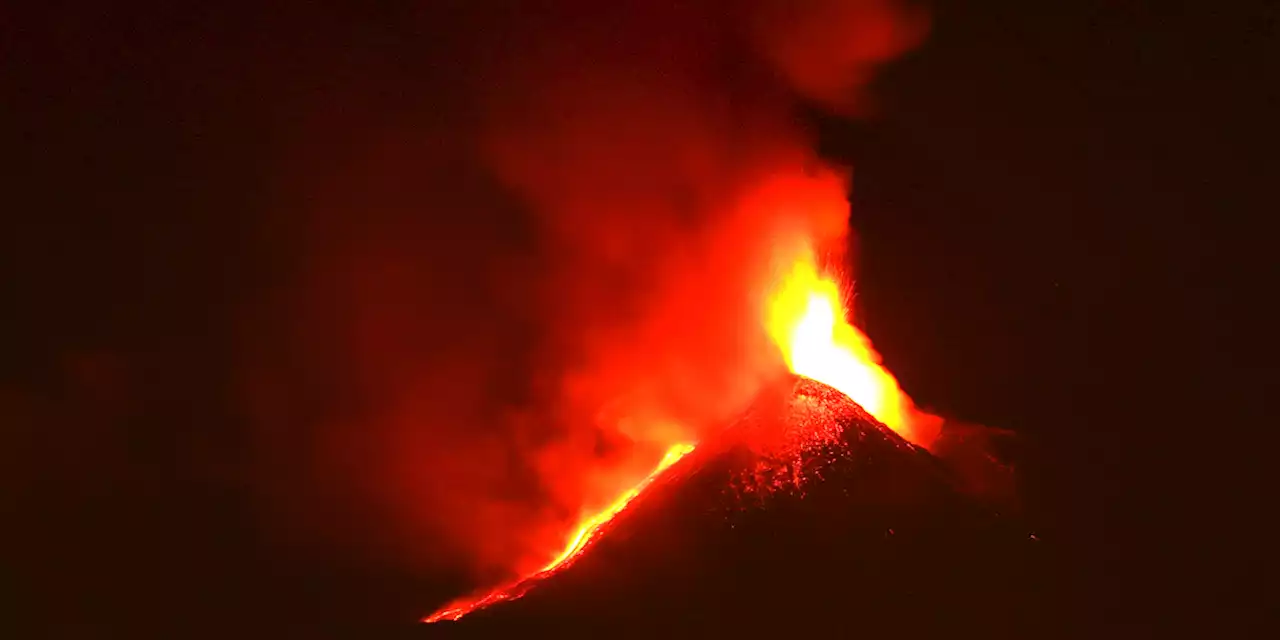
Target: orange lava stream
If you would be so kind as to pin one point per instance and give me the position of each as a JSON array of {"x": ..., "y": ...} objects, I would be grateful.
[
  {"x": 806, "y": 318},
  {"x": 591, "y": 526},
  {"x": 586, "y": 533}
]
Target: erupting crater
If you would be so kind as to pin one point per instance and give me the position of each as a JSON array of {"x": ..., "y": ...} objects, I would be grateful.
[{"x": 825, "y": 469}]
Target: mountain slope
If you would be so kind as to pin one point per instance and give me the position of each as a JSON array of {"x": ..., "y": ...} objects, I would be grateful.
[{"x": 806, "y": 514}]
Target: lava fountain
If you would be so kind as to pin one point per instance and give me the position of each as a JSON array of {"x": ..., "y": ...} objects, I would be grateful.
[{"x": 807, "y": 320}]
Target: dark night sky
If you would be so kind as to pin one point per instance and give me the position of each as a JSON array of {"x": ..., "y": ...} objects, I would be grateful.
[{"x": 1055, "y": 216}]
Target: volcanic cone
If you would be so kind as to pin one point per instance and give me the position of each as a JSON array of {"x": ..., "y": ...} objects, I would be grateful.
[{"x": 806, "y": 513}]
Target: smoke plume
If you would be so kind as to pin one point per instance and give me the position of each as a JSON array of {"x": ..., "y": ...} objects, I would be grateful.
[{"x": 512, "y": 296}]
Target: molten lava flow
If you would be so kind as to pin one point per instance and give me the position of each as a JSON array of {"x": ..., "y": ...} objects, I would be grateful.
[
  {"x": 806, "y": 319},
  {"x": 586, "y": 533},
  {"x": 590, "y": 527}
]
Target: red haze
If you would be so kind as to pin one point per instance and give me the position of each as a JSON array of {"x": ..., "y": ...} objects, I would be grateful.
[{"x": 509, "y": 299}]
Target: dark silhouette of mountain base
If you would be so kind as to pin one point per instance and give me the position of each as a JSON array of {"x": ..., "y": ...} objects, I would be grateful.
[{"x": 807, "y": 516}]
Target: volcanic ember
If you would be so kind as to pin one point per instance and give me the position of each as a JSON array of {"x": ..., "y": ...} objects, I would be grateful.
[{"x": 805, "y": 317}]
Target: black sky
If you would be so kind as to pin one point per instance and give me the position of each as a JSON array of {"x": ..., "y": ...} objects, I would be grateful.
[{"x": 1061, "y": 212}]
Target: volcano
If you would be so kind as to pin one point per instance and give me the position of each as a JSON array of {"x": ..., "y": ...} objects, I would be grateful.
[{"x": 805, "y": 514}]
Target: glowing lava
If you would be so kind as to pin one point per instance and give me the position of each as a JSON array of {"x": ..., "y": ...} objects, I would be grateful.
[
  {"x": 587, "y": 532},
  {"x": 590, "y": 527},
  {"x": 806, "y": 318}
]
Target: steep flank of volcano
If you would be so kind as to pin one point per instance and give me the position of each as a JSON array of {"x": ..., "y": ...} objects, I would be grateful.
[{"x": 807, "y": 512}]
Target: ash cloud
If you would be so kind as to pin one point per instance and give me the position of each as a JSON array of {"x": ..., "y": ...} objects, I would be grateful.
[{"x": 509, "y": 299}]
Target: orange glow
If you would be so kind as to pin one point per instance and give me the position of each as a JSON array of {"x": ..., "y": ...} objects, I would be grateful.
[
  {"x": 587, "y": 532},
  {"x": 806, "y": 318}
]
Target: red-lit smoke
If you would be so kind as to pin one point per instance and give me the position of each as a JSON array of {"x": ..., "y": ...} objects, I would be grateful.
[{"x": 515, "y": 295}]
